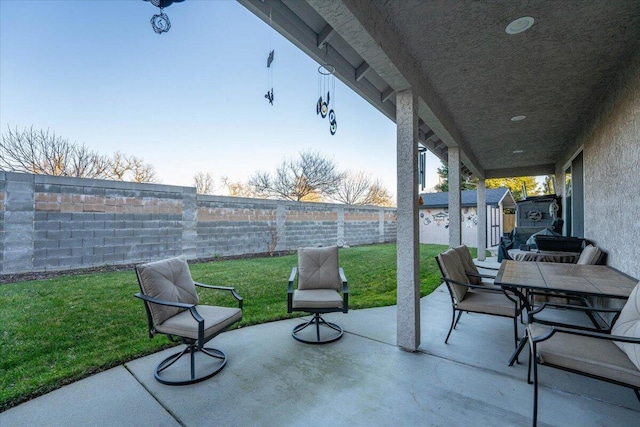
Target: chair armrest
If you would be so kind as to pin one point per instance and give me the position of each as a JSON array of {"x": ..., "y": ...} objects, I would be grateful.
[
  {"x": 345, "y": 290},
  {"x": 163, "y": 302},
  {"x": 343, "y": 278},
  {"x": 510, "y": 294},
  {"x": 190, "y": 307},
  {"x": 292, "y": 278},
  {"x": 569, "y": 307},
  {"x": 469, "y": 285},
  {"x": 591, "y": 334},
  {"x": 485, "y": 276},
  {"x": 223, "y": 288}
]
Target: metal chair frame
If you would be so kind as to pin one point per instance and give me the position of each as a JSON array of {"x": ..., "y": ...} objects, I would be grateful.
[
  {"x": 192, "y": 346},
  {"x": 517, "y": 310},
  {"x": 534, "y": 360},
  {"x": 317, "y": 319}
]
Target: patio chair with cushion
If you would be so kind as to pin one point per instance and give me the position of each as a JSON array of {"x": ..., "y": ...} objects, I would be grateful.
[
  {"x": 475, "y": 298},
  {"x": 173, "y": 309},
  {"x": 608, "y": 356},
  {"x": 321, "y": 288},
  {"x": 591, "y": 255},
  {"x": 471, "y": 269}
]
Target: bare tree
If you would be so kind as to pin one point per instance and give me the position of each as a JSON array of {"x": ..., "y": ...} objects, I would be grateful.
[
  {"x": 122, "y": 167},
  {"x": 237, "y": 188},
  {"x": 203, "y": 183},
  {"x": 141, "y": 171},
  {"x": 42, "y": 152},
  {"x": 359, "y": 188},
  {"x": 310, "y": 175}
]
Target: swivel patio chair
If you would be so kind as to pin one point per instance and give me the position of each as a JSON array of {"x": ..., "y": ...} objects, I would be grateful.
[
  {"x": 173, "y": 309},
  {"x": 320, "y": 281},
  {"x": 612, "y": 356},
  {"x": 475, "y": 298}
]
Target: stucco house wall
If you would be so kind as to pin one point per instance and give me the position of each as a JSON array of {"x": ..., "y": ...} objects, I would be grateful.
[{"x": 611, "y": 149}]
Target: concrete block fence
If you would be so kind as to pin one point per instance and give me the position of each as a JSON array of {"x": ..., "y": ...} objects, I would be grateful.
[{"x": 52, "y": 223}]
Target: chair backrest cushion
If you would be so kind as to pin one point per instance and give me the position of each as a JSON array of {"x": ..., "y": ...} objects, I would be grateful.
[
  {"x": 168, "y": 280},
  {"x": 318, "y": 268},
  {"x": 451, "y": 267},
  {"x": 628, "y": 325},
  {"x": 589, "y": 255},
  {"x": 467, "y": 263}
]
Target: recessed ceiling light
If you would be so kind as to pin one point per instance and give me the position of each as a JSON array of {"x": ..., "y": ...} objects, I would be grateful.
[
  {"x": 518, "y": 118},
  {"x": 518, "y": 151},
  {"x": 520, "y": 25}
]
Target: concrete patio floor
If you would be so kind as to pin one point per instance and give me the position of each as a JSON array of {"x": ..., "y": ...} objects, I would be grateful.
[{"x": 361, "y": 380}]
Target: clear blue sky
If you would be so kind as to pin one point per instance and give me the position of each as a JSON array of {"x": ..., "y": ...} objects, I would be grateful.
[{"x": 189, "y": 100}]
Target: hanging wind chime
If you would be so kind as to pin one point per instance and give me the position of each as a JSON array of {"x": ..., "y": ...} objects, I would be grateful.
[
  {"x": 160, "y": 22},
  {"x": 327, "y": 84},
  {"x": 269, "y": 94}
]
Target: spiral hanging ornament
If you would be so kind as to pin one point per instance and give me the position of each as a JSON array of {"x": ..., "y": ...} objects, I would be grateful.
[{"x": 160, "y": 22}]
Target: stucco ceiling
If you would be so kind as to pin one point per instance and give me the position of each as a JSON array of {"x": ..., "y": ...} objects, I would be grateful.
[{"x": 470, "y": 75}]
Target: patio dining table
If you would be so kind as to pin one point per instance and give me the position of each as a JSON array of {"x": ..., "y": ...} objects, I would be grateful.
[{"x": 574, "y": 279}]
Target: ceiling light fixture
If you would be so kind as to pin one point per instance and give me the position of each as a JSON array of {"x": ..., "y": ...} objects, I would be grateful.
[
  {"x": 518, "y": 118},
  {"x": 518, "y": 151},
  {"x": 520, "y": 25}
]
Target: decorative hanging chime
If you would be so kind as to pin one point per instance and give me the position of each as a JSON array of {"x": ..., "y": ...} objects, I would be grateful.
[
  {"x": 269, "y": 94},
  {"x": 160, "y": 22},
  {"x": 327, "y": 84}
]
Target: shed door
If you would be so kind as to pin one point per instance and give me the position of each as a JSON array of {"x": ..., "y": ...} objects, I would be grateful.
[{"x": 494, "y": 226}]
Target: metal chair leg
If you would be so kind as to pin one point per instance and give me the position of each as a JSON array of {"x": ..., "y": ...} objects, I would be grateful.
[
  {"x": 317, "y": 320},
  {"x": 454, "y": 323}
]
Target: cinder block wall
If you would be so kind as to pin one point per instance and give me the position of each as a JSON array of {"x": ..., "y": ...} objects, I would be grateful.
[{"x": 56, "y": 223}]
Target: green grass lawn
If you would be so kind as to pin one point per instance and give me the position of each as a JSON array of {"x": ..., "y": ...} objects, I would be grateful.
[{"x": 56, "y": 331}]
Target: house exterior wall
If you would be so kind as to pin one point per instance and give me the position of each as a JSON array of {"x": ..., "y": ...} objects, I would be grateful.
[
  {"x": 434, "y": 226},
  {"x": 57, "y": 223},
  {"x": 611, "y": 149}
]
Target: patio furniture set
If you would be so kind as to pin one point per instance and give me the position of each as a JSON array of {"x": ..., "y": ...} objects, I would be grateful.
[
  {"x": 578, "y": 337},
  {"x": 575, "y": 335},
  {"x": 173, "y": 309}
]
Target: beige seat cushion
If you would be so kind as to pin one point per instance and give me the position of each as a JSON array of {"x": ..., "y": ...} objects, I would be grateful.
[
  {"x": 584, "y": 354},
  {"x": 480, "y": 301},
  {"x": 318, "y": 268},
  {"x": 316, "y": 298},
  {"x": 216, "y": 319},
  {"x": 168, "y": 280},
  {"x": 589, "y": 255},
  {"x": 452, "y": 268},
  {"x": 468, "y": 264},
  {"x": 628, "y": 325}
]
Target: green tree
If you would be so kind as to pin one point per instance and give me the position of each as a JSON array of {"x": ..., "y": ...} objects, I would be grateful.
[
  {"x": 513, "y": 184},
  {"x": 443, "y": 184}
]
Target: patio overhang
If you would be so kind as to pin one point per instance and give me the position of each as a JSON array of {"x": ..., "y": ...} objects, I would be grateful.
[{"x": 470, "y": 76}]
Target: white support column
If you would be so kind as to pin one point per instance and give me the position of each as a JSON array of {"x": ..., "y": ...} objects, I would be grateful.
[
  {"x": 482, "y": 219},
  {"x": 455, "y": 223},
  {"x": 408, "y": 260}
]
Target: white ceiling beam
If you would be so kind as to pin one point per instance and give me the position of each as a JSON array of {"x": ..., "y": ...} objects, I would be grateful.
[
  {"x": 386, "y": 94},
  {"x": 325, "y": 35},
  {"x": 362, "y": 71}
]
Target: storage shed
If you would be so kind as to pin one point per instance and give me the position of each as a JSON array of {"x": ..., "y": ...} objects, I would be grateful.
[{"x": 434, "y": 216}]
